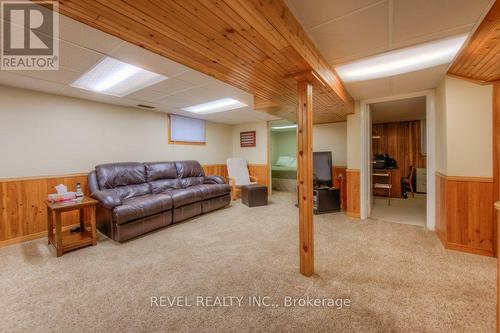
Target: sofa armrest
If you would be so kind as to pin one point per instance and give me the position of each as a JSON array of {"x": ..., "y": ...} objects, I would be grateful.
[
  {"x": 108, "y": 198},
  {"x": 214, "y": 180}
]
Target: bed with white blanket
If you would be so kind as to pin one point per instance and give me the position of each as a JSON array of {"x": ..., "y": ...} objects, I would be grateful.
[{"x": 284, "y": 174}]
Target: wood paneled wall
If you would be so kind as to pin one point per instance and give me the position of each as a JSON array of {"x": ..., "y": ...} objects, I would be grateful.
[
  {"x": 340, "y": 171},
  {"x": 464, "y": 215},
  {"x": 402, "y": 141},
  {"x": 261, "y": 171},
  {"x": 23, "y": 215},
  {"x": 353, "y": 193},
  {"x": 216, "y": 169}
]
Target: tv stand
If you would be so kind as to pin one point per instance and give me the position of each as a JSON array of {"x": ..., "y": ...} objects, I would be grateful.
[{"x": 326, "y": 199}]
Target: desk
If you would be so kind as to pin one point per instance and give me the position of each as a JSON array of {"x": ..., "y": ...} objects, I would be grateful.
[{"x": 395, "y": 181}]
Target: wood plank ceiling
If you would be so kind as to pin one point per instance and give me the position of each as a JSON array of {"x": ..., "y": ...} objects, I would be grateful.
[
  {"x": 255, "y": 45},
  {"x": 480, "y": 59}
]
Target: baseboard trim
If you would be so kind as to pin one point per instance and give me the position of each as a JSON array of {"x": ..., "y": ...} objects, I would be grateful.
[
  {"x": 353, "y": 215},
  {"x": 30, "y": 237},
  {"x": 464, "y": 248}
]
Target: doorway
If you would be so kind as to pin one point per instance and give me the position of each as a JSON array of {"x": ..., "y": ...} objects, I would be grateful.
[
  {"x": 283, "y": 155},
  {"x": 414, "y": 136},
  {"x": 398, "y": 150}
]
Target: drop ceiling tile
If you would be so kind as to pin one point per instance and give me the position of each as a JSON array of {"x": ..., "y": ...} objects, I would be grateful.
[
  {"x": 419, "y": 80},
  {"x": 86, "y": 36},
  {"x": 225, "y": 90},
  {"x": 407, "y": 109},
  {"x": 195, "y": 78},
  {"x": 191, "y": 97},
  {"x": 93, "y": 96},
  {"x": 312, "y": 13},
  {"x": 413, "y": 19},
  {"x": 24, "y": 82},
  {"x": 143, "y": 58},
  {"x": 147, "y": 95},
  {"x": 200, "y": 95},
  {"x": 360, "y": 33},
  {"x": 62, "y": 75},
  {"x": 173, "y": 102},
  {"x": 171, "y": 86},
  {"x": 465, "y": 29},
  {"x": 76, "y": 57},
  {"x": 369, "y": 89}
]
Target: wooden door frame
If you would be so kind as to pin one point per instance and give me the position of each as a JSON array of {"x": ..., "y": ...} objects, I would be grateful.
[{"x": 365, "y": 129}]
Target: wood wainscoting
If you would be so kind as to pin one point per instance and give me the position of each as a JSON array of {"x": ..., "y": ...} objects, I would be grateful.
[
  {"x": 353, "y": 193},
  {"x": 215, "y": 169},
  {"x": 336, "y": 172},
  {"x": 261, "y": 171},
  {"x": 23, "y": 215},
  {"x": 464, "y": 215}
]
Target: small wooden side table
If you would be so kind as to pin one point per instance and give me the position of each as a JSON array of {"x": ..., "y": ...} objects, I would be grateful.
[{"x": 67, "y": 241}]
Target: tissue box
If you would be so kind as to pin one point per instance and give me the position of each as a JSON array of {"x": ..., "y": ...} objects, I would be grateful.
[{"x": 55, "y": 197}]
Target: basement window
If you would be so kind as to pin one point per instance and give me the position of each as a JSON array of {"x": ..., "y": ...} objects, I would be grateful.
[{"x": 185, "y": 130}]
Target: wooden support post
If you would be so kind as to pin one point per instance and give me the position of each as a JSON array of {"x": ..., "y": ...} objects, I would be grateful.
[{"x": 305, "y": 177}]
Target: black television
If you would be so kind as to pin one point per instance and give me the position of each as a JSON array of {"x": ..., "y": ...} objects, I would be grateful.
[{"x": 322, "y": 166}]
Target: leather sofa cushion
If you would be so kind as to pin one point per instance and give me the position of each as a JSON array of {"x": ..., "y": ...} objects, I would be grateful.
[
  {"x": 184, "y": 196},
  {"x": 142, "y": 206},
  {"x": 160, "y": 170},
  {"x": 214, "y": 180},
  {"x": 130, "y": 191},
  {"x": 120, "y": 174},
  {"x": 187, "y": 169},
  {"x": 190, "y": 172},
  {"x": 192, "y": 181},
  {"x": 212, "y": 190},
  {"x": 162, "y": 185}
]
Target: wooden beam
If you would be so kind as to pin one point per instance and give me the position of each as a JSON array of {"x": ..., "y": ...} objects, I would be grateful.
[
  {"x": 252, "y": 45},
  {"x": 305, "y": 176},
  {"x": 480, "y": 59}
]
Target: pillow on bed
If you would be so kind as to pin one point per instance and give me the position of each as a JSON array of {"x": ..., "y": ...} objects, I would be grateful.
[
  {"x": 293, "y": 162},
  {"x": 283, "y": 161}
]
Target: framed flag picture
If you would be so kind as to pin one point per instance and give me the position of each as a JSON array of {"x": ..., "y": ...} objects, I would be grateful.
[{"x": 247, "y": 139}]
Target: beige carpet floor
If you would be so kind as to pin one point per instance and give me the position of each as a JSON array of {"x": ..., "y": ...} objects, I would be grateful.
[
  {"x": 398, "y": 278},
  {"x": 409, "y": 211}
]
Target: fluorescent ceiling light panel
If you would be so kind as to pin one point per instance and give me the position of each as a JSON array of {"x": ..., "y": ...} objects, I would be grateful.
[
  {"x": 114, "y": 77},
  {"x": 402, "y": 61},
  {"x": 284, "y": 127},
  {"x": 218, "y": 105}
]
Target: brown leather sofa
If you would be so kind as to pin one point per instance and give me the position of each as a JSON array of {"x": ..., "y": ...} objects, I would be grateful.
[{"x": 136, "y": 198}]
